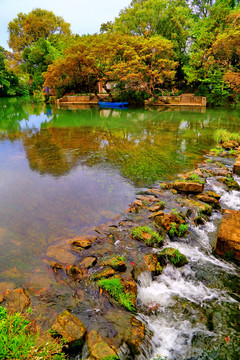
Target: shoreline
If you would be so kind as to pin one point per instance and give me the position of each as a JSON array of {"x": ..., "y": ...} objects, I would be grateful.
[{"x": 88, "y": 261}]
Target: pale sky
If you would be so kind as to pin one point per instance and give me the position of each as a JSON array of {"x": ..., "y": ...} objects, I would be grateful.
[{"x": 84, "y": 16}]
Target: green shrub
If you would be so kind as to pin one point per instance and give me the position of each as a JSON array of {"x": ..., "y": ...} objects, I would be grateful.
[
  {"x": 20, "y": 340},
  {"x": 115, "y": 289}
]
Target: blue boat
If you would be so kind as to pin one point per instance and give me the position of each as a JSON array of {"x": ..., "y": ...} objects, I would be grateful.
[{"x": 113, "y": 104}]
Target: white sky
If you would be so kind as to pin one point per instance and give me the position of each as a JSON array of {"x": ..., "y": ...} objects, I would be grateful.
[{"x": 84, "y": 16}]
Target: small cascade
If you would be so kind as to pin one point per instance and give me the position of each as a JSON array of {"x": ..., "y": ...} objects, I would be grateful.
[{"x": 193, "y": 304}]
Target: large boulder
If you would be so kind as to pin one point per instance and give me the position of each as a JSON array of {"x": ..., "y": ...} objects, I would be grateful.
[
  {"x": 98, "y": 348},
  {"x": 236, "y": 167},
  {"x": 61, "y": 255},
  {"x": 188, "y": 187},
  {"x": 228, "y": 237},
  {"x": 70, "y": 328}
]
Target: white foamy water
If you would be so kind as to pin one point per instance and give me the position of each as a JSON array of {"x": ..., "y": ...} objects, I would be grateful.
[{"x": 187, "y": 288}]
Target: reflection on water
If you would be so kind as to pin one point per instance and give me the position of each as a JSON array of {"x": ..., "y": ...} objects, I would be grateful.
[{"x": 65, "y": 171}]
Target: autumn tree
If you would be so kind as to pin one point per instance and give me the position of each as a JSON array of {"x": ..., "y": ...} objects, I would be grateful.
[
  {"x": 26, "y": 29},
  {"x": 133, "y": 62}
]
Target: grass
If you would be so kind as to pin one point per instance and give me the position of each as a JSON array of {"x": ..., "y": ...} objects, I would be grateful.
[
  {"x": 194, "y": 178},
  {"x": 116, "y": 290},
  {"x": 142, "y": 233},
  {"x": 183, "y": 228},
  {"x": 20, "y": 339},
  {"x": 222, "y": 135},
  {"x": 217, "y": 151},
  {"x": 173, "y": 230}
]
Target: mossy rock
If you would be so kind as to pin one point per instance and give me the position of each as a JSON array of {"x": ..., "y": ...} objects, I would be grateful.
[
  {"x": 153, "y": 264},
  {"x": 106, "y": 273},
  {"x": 116, "y": 262},
  {"x": 230, "y": 182},
  {"x": 123, "y": 291},
  {"x": 198, "y": 206},
  {"x": 147, "y": 235},
  {"x": 173, "y": 256}
]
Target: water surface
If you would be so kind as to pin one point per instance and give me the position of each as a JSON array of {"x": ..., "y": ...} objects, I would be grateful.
[{"x": 65, "y": 171}]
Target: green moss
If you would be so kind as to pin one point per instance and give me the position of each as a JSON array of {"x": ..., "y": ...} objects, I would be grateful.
[
  {"x": 116, "y": 262},
  {"x": 115, "y": 289},
  {"x": 173, "y": 230},
  {"x": 111, "y": 357},
  {"x": 183, "y": 228},
  {"x": 142, "y": 233},
  {"x": 162, "y": 204},
  {"x": 174, "y": 257},
  {"x": 209, "y": 160}
]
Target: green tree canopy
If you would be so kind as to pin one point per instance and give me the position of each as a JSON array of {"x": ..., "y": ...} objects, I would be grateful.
[{"x": 36, "y": 60}]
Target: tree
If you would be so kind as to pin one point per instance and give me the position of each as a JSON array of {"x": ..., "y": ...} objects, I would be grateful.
[
  {"x": 134, "y": 62},
  {"x": 36, "y": 59},
  {"x": 214, "y": 60},
  {"x": 9, "y": 84},
  {"x": 26, "y": 29}
]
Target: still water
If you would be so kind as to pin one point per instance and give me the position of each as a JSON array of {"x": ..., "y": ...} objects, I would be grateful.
[{"x": 65, "y": 171}]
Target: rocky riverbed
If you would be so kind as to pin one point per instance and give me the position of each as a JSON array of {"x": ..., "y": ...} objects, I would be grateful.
[{"x": 116, "y": 273}]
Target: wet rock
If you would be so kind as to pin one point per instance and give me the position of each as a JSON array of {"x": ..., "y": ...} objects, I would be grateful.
[
  {"x": 61, "y": 255},
  {"x": 56, "y": 266},
  {"x": 198, "y": 206},
  {"x": 157, "y": 207},
  {"x": 236, "y": 167},
  {"x": 155, "y": 191},
  {"x": 209, "y": 200},
  {"x": 188, "y": 187},
  {"x": 103, "y": 274},
  {"x": 149, "y": 198},
  {"x": 155, "y": 214},
  {"x": 130, "y": 287},
  {"x": 16, "y": 300},
  {"x": 138, "y": 202},
  {"x": 70, "y": 328},
  {"x": 74, "y": 273},
  {"x": 173, "y": 256},
  {"x": 116, "y": 262},
  {"x": 83, "y": 242},
  {"x": 165, "y": 221},
  {"x": 213, "y": 194},
  {"x": 221, "y": 172},
  {"x": 88, "y": 262},
  {"x": 153, "y": 264},
  {"x": 98, "y": 348},
  {"x": 152, "y": 308},
  {"x": 228, "y": 237},
  {"x": 230, "y": 182},
  {"x": 131, "y": 331},
  {"x": 228, "y": 145}
]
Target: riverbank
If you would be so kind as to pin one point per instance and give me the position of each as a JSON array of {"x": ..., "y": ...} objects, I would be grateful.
[{"x": 106, "y": 269}]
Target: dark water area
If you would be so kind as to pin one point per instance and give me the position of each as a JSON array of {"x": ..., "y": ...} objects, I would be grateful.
[{"x": 65, "y": 171}]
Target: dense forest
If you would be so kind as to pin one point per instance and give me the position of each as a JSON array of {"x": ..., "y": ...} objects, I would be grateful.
[{"x": 154, "y": 47}]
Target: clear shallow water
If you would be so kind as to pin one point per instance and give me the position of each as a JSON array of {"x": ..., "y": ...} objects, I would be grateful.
[{"x": 65, "y": 171}]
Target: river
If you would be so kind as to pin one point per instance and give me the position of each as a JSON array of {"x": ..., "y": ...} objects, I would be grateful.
[{"x": 64, "y": 172}]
